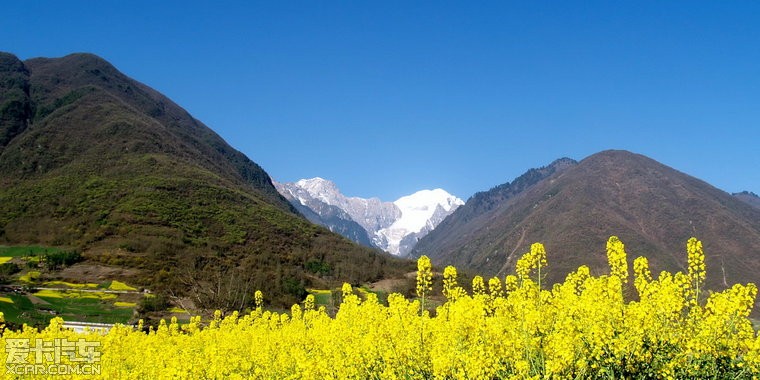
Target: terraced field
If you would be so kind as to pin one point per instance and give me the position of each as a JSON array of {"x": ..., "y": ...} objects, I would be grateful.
[{"x": 29, "y": 295}]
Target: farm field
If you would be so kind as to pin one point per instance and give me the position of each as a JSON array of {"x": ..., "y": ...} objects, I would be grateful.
[
  {"x": 41, "y": 307},
  {"x": 586, "y": 327},
  {"x": 29, "y": 296},
  {"x": 26, "y": 250}
]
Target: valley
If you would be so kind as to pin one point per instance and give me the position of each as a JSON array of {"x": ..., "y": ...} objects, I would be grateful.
[
  {"x": 109, "y": 171},
  {"x": 380, "y": 190},
  {"x": 94, "y": 162}
]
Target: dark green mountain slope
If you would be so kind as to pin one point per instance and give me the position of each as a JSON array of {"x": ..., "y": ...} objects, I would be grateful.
[
  {"x": 654, "y": 209},
  {"x": 92, "y": 159}
]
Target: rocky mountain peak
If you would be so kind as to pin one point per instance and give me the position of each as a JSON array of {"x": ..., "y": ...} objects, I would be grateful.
[{"x": 392, "y": 226}]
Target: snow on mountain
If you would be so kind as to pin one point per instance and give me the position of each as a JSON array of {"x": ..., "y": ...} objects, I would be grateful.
[
  {"x": 372, "y": 213},
  {"x": 322, "y": 213},
  {"x": 392, "y": 226},
  {"x": 420, "y": 213}
]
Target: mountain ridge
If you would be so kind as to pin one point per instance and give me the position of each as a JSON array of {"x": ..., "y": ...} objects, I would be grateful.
[
  {"x": 654, "y": 209},
  {"x": 391, "y": 226},
  {"x": 333, "y": 217},
  {"x": 96, "y": 161},
  {"x": 749, "y": 198},
  {"x": 482, "y": 203}
]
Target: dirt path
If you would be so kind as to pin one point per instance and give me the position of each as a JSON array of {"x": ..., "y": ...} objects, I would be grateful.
[
  {"x": 508, "y": 260},
  {"x": 391, "y": 284},
  {"x": 37, "y": 300},
  {"x": 387, "y": 285}
]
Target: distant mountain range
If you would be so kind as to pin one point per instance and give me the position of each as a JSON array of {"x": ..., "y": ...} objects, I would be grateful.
[
  {"x": 573, "y": 207},
  {"x": 96, "y": 161},
  {"x": 394, "y": 227}
]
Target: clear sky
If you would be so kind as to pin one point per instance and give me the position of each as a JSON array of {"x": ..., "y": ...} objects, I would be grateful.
[{"x": 389, "y": 97}]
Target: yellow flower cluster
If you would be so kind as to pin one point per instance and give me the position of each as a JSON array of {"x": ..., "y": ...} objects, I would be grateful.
[
  {"x": 617, "y": 258},
  {"x": 535, "y": 259},
  {"x": 696, "y": 260},
  {"x": 424, "y": 276},
  {"x": 424, "y": 279},
  {"x": 451, "y": 290},
  {"x": 581, "y": 328}
]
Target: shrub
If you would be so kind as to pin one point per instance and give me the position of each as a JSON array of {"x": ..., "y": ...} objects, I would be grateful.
[{"x": 56, "y": 260}]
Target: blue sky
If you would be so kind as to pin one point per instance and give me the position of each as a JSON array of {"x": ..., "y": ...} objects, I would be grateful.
[{"x": 387, "y": 98}]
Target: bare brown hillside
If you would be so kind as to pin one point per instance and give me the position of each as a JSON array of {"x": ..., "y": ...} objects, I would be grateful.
[{"x": 653, "y": 208}]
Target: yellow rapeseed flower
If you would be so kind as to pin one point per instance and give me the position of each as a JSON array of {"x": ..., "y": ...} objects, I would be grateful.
[{"x": 581, "y": 328}]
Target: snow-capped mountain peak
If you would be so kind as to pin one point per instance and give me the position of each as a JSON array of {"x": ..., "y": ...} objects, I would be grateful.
[
  {"x": 392, "y": 226},
  {"x": 420, "y": 213},
  {"x": 319, "y": 188},
  {"x": 418, "y": 208}
]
